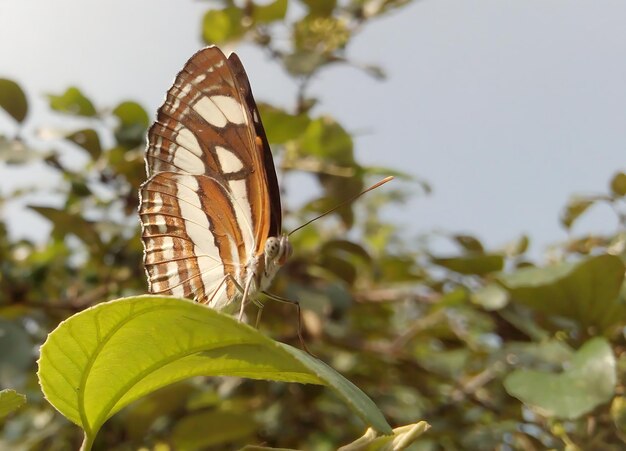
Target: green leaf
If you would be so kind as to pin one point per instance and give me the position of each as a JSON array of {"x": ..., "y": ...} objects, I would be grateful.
[
  {"x": 102, "y": 359},
  {"x": 13, "y": 100},
  {"x": 618, "y": 184},
  {"x": 282, "y": 126},
  {"x": 212, "y": 428},
  {"x": 133, "y": 124},
  {"x": 574, "y": 209},
  {"x": 469, "y": 243},
  {"x": 587, "y": 292},
  {"x": 479, "y": 264},
  {"x": 271, "y": 12},
  {"x": 10, "y": 400},
  {"x": 220, "y": 26},
  {"x": 89, "y": 140},
  {"x": 588, "y": 381},
  {"x": 72, "y": 101}
]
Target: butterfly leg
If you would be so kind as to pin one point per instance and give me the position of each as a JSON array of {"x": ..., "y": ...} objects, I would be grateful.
[
  {"x": 244, "y": 297},
  {"x": 297, "y": 304}
]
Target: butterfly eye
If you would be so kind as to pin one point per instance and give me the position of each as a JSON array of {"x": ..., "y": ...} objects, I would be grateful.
[
  {"x": 272, "y": 247},
  {"x": 285, "y": 251}
]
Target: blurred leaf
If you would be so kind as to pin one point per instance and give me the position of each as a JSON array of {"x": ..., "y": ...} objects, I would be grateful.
[
  {"x": 320, "y": 35},
  {"x": 469, "y": 243},
  {"x": 587, "y": 291},
  {"x": 65, "y": 223},
  {"x": 518, "y": 246},
  {"x": 304, "y": 62},
  {"x": 15, "y": 152},
  {"x": 588, "y": 381},
  {"x": 320, "y": 7},
  {"x": 338, "y": 267},
  {"x": 72, "y": 101},
  {"x": 618, "y": 413},
  {"x": 347, "y": 249},
  {"x": 325, "y": 139},
  {"x": 220, "y": 26},
  {"x": 282, "y": 126},
  {"x": 10, "y": 400},
  {"x": 479, "y": 264},
  {"x": 13, "y": 100},
  {"x": 89, "y": 140},
  {"x": 270, "y": 12},
  {"x": 491, "y": 297},
  {"x": 573, "y": 210},
  {"x": 95, "y": 363},
  {"x": 133, "y": 124},
  {"x": 375, "y": 71},
  {"x": 212, "y": 428},
  {"x": 142, "y": 414},
  {"x": 16, "y": 350},
  {"x": 618, "y": 184}
]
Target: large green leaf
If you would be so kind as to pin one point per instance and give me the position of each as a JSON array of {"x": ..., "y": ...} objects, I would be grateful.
[
  {"x": 588, "y": 381},
  {"x": 10, "y": 400},
  {"x": 13, "y": 100},
  {"x": 587, "y": 292},
  {"x": 107, "y": 356}
]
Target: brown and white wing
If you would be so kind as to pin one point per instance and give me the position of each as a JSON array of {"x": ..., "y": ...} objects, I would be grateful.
[{"x": 206, "y": 208}]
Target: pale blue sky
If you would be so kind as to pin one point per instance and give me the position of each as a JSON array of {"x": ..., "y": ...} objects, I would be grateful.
[{"x": 505, "y": 107}]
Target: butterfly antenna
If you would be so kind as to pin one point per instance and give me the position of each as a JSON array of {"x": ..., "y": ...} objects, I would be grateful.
[{"x": 347, "y": 201}]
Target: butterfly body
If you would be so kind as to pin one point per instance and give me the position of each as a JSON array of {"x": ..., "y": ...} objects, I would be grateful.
[{"x": 210, "y": 209}]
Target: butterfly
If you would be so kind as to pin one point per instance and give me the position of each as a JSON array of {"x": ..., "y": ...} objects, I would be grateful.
[{"x": 210, "y": 209}]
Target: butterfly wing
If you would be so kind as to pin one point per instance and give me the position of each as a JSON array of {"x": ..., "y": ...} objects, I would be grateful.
[{"x": 211, "y": 199}]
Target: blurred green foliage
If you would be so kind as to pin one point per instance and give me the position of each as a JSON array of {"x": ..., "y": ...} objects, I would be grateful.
[{"x": 493, "y": 349}]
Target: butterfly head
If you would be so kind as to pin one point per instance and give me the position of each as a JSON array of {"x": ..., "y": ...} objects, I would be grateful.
[{"x": 277, "y": 250}]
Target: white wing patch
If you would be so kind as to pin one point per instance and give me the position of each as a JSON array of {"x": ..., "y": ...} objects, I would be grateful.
[
  {"x": 229, "y": 162},
  {"x": 189, "y": 141},
  {"x": 220, "y": 110},
  {"x": 196, "y": 220},
  {"x": 243, "y": 213}
]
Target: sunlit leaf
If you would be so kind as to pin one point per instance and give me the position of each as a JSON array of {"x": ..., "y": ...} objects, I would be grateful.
[
  {"x": 270, "y": 12},
  {"x": 13, "y": 100},
  {"x": 72, "y": 101},
  {"x": 587, "y": 292},
  {"x": 618, "y": 413},
  {"x": 219, "y": 26},
  {"x": 88, "y": 139},
  {"x": 10, "y": 400},
  {"x": 402, "y": 438},
  {"x": 588, "y": 381},
  {"x": 107, "y": 356}
]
